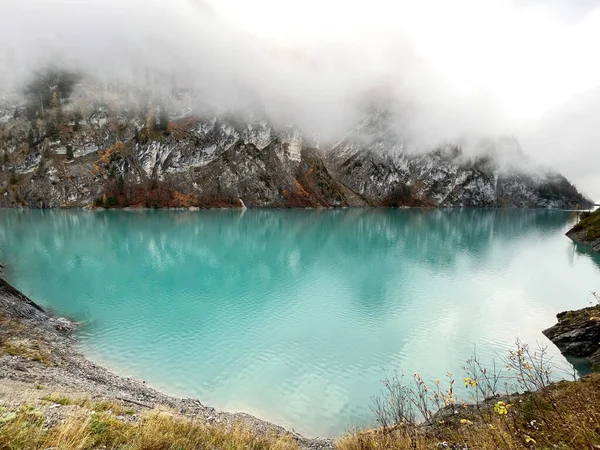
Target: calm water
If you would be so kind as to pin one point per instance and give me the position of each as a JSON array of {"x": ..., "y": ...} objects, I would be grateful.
[{"x": 295, "y": 315}]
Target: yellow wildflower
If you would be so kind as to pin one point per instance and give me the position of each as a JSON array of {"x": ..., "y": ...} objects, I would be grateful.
[
  {"x": 470, "y": 382},
  {"x": 501, "y": 408},
  {"x": 529, "y": 440},
  {"x": 466, "y": 422}
]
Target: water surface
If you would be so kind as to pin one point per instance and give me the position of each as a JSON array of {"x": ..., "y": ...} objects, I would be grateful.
[{"x": 295, "y": 315}]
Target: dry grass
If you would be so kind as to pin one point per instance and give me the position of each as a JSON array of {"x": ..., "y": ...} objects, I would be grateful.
[
  {"x": 565, "y": 416},
  {"x": 59, "y": 399},
  {"x": 27, "y": 349},
  {"x": 119, "y": 148},
  {"x": 14, "y": 341},
  {"x": 182, "y": 128},
  {"x": 9, "y": 326},
  {"x": 156, "y": 430},
  {"x": 112, "y": 406}
]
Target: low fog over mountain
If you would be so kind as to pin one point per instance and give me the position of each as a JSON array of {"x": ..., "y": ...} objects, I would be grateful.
[{"x": 298, "y": 103}]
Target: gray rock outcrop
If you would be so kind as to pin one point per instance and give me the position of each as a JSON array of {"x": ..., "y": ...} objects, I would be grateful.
[
  {"x": 577, "y": 334},
  {"x": 67, "y": 142}
]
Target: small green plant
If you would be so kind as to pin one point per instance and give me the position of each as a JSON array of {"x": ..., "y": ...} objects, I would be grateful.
[
  {"x": 403, "y": 402},
  {"x": 30, "y": 138},
  {"x": 109, "y": 201},
  {"x": 591, "y": 224},
  {"x": 562, "y": 415},
  {"x": 77, "y": 121},
  {"x": 26, "y": 349},
  {"x": 104, "y": 406},
  {"x": 60, "y": 400},
  {"x": 52, "y": 130}
]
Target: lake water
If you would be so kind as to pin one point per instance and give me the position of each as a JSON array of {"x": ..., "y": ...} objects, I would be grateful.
[{"x": 295, "y": 315}]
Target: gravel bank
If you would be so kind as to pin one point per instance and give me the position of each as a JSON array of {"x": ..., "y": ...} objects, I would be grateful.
[{"x": 38, "y": 355}]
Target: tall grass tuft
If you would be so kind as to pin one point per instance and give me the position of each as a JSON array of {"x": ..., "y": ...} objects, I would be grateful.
[
  {"x": 531, "y": 412},
  {"x": 157, "y": 430}
]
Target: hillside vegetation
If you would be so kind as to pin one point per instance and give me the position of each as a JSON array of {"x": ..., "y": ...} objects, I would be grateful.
[
  {"x": 587, "y": 230},
  {"x": 590, "y": 223},
  {"x": 565, "y": 416}
]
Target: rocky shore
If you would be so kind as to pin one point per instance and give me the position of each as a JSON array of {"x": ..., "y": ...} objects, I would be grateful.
[
  {"x": 39, "y": 359},
  {"x": 587, "y": 230},
  {"x": 577, "y": 334},
  {"x": 51, "y": 396}
]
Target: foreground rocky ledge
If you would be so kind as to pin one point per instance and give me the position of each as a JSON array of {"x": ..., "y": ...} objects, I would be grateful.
[
  {"x": 577, "y": 334},
  {"x": 39, "y": 360}
]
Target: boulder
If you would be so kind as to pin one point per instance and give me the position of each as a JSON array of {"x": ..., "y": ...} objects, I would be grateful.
[{"x": 577, "y": 333}]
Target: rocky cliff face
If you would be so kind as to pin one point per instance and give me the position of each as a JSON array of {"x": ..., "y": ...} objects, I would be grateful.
[
  {"x": 577, "y": 334},
  {"x": 61, "y": 146},
  {"x": 373, "y": 161}
]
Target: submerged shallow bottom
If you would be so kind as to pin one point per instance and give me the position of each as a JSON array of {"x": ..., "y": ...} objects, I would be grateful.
[{"x": 295, "y": 316}]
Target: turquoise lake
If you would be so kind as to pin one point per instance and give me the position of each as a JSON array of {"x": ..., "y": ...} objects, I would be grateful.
[{"x": 295, "y": 315}]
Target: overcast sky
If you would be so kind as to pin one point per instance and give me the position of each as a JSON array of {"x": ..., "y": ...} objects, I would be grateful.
[{"x": 529, "y": 68}]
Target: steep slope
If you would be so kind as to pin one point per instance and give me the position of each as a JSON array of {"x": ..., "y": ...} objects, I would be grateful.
[
  {"x": 372, "y": 161},
  {"x": 113, "y": 159},
  {"x": 70, "y": 143}
]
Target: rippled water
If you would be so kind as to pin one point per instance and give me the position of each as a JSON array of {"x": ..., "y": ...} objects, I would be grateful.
[{"x": 295, "y": 315}]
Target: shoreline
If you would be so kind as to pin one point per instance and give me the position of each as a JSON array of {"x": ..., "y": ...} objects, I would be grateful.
[
  {"x": 587, "y": 230},
  {"x": 43, "y": 370},
  {"x": 308, "y": 208},
  {"x": 92, "y": 207},
  {"x": 44, "y": 353},
  {"x": 165, "y": 390}
]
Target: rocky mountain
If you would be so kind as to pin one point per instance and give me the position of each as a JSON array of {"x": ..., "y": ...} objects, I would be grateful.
[{"x": 67, "y": 143}]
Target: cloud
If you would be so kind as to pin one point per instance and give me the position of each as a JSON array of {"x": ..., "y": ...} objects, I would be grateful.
[
  {"x": 450, "y": 70},
  {"x": 568, "y": 138},
  {"x": 571, "y": 10}
]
